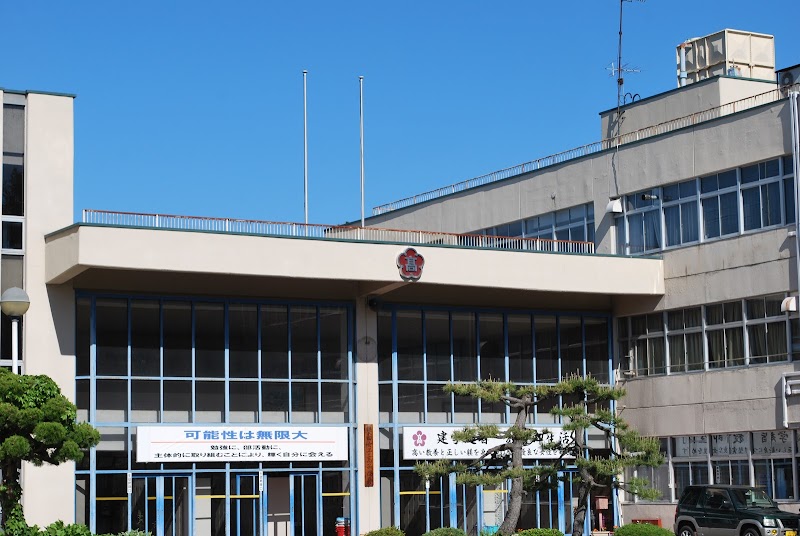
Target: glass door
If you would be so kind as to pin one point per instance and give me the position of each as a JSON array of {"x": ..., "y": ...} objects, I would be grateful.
[
  {"x": 246, "y": 506},
  {"x": 161, "y": 505},
  {"x": 304, "y": 500}
]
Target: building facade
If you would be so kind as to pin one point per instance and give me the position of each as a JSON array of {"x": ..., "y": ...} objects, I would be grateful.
[{"x": 294, "y": 376}]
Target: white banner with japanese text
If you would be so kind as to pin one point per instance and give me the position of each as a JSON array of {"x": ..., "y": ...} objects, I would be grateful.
[
  {"x": 435, "y": 442},
  {"x": 257, "y": 443}
]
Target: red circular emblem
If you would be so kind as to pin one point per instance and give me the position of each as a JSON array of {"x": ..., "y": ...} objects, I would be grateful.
[{"x": 410, "y": 264}]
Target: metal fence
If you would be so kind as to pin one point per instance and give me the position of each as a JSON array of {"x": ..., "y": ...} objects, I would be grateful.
[
  {"x": 333, "y": 232},
  {"x": 608, "y": 143}
]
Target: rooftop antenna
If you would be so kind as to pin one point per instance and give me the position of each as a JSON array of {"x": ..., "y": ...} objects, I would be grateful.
[{"x": 619, "y": 71}]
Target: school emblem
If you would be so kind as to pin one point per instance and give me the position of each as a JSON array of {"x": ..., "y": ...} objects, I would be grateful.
[{"x": 410, "y": 264}]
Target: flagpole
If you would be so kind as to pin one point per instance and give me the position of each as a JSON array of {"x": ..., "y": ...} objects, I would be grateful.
[
  {"x": 361, "y": 117},
  {"x": 305, "y": 147}
]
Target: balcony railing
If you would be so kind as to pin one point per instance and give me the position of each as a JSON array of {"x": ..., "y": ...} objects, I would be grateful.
[
  {"x": 333, "y": 232},
  {"x": 608, "y": 143}
]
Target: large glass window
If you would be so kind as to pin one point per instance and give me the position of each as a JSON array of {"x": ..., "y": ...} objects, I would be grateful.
[
  {"x": 751, "y": 331},
  {"x": 574, "y": 223},
  {"x": 714, "y": 206}
]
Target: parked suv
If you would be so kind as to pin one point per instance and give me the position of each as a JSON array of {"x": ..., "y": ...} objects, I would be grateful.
[{"x": 731, "y": 511}]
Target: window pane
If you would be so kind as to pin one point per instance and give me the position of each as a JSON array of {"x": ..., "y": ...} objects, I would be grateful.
[
  {"x": 733, "y": 311},
  {"x": 652, "y": 230},
  {"x": 711, "y": 217},
  {"x": 692, "y": 317},
  {"x": 655, "y": 348},
  {"x": 13, "y": 190},
  {"x": 409, "y": 345},
  {"x": 111, "y": 322},
  {"x": 689, "y": 229},
  {"x": 694, "y": 351},
  {"x": 729, "y": 213},
  {"x": 751, "y": 208},
  {"x": 671, "y": 192},
  {"x": 303, "y": 336},
  {"x": 520, "y": 349},
  {"x": 333, "y": 342},
  {"x": 492, "y": 347},
  {"x": 636, "y": 233},
  {"x": 12, "y": 235},
  {"x": 757, "y": 340},
  {"x": 750, "y": 174},
  {"x": 727, "y": 179},
  {"x": 384, "y": 345},
  {"x": 675, "y": 319},
  {"x": 274, "y": 341},
  {"x": 210, "y": 340},
  {"x": 465, "y": 362},
  {"x": 716, "y": 348},
  {"x": 771, "y": 169},
  {"x": 596, "y": 347},
  {"x": 789, "y": 197},
  {"x": 688, "y": 189},
  {"x": 677, "y": 354},
  {"x": 776, "y": 342},
  {"x": 546, "y": 349},
  {"x": 243, "y": 340},
  {"x": 709, "y": 184},
  {"x": 735, "y": 346},
  {"x": 672, "y": 222},
  {"x": 437, "y": 345},
  {"x": 145, "y": 338},
  {"x": 304, "y": 401},
  {"x": 755, "y": 308},
  {"x": 570, "y": 345},
  {"x": 771, "y": 204},
  {"x": 177, "y": 339}
]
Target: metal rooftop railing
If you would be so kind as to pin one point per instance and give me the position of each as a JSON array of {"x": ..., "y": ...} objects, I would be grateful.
[
  {"x": 608, "y": 143},
  {"x": 333, "y": 232}
]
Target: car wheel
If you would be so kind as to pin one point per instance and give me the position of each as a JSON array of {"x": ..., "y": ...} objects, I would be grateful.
[
  {"x": 688, "y": 530},
  {"x": 751, "y": 531}
]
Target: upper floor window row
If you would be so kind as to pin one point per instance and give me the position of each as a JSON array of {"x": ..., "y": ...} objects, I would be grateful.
[
  {"x": 13, "y": 182},
  {"x": 574, "y": 223},
  {"x": 722, "y": 335},
  {"x": 724, "y": 204}
]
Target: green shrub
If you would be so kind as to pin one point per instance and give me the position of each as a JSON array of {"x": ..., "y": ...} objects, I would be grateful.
[
  {"x": 446, "y": 531},
  {"x": 59, "y": 528},
  {"x": 386, "y": 531},
  {"x": 641, "y": 529},
  {"x": 135, "y": 533},
  {"x": 540, "y": 532}
]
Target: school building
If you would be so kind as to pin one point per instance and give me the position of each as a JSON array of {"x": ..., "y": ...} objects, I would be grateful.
[{"x": 252, "y": 377}]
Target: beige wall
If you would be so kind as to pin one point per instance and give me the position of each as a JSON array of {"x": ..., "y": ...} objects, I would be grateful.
[
  {"x": 49, "y": 323},
  {"x": 682, "y": 102}
]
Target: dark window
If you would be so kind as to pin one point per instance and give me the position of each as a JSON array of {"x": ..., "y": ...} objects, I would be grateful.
[{"x": 13, "y": 190}]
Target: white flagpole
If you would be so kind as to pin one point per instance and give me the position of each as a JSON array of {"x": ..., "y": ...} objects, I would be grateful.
[
  {"x": 361, "y": 116},
  {"x": 305, "y": 147}
]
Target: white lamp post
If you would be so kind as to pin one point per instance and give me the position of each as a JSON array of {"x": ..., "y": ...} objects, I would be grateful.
[{"x": 14, "y": 303}]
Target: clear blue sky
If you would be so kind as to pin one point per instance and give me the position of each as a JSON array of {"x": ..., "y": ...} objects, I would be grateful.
[{"x": 196, "y": 107}]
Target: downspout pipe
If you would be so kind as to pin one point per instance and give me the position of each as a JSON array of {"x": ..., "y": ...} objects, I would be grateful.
[
  {"x": 682, "y": 48},
  {"x": 793, "y": 107}
]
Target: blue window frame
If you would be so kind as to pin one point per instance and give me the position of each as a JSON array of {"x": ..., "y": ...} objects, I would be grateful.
[
  {"x": 420, "y": 349},
  {"x": 170, "y": 360}
]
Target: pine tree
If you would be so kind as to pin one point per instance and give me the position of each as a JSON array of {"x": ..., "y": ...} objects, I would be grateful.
[
  {"x": 592, "y": 470},
  {"x": 37, "y": 425}
]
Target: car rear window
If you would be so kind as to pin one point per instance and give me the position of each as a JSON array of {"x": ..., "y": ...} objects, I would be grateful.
[{"x": 690, "y": 497}]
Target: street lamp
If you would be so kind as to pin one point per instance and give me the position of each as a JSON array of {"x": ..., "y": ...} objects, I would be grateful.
[{"x": 14, "y": 303}]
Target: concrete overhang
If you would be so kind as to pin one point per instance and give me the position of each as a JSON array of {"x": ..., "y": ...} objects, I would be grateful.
[{"x": 147, "y": 260}]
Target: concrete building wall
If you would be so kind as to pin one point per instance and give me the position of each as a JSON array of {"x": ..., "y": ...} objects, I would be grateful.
[
  {"x": 681, "y": 102},
  {"x": 49, "y": 334},
  {"x": 737, "y": 400}
]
